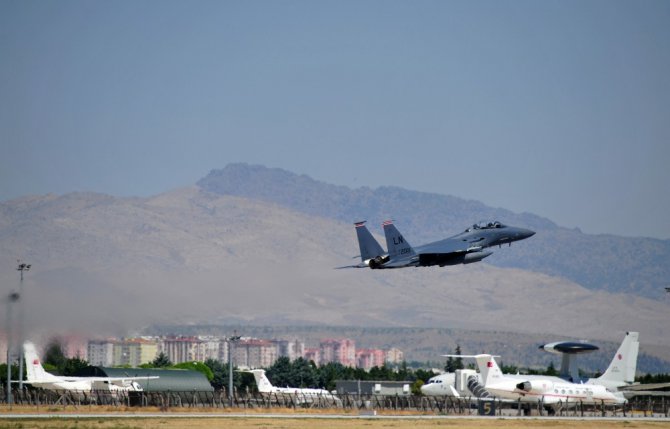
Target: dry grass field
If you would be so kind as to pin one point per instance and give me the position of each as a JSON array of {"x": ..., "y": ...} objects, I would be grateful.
[{"x": 308, "y": 423}]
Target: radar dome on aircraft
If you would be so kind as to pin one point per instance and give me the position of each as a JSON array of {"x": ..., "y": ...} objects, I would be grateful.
[{"x": 569, "y": 347}]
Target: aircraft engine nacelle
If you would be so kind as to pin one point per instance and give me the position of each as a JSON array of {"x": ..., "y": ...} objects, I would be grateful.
[{"x": 535, "y": 386}]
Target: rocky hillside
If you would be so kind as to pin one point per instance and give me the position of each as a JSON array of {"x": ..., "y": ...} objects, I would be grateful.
[
  {"x": 639, "y": 266},
  {"x": 108, "y": 264}
]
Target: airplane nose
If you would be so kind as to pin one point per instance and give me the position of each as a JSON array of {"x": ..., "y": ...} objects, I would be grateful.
[{"x": 525, "y": 233}]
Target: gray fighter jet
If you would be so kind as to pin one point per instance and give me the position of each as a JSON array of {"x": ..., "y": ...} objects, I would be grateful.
[{"x": 464, "y": 248}]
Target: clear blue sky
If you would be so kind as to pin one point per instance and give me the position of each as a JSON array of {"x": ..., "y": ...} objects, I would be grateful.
[{"x": 559, "y": 108}]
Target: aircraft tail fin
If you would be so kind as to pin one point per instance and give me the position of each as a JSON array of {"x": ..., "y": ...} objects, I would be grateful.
[
  {"x": 488, "y": 368},
  {"x": 624, "y": 364},
  {"x": 34, "y": 369},
  {"x": 395, "y": 242},
  {"x": 264, "y": 385},
  {"x": 367, "y": 244}
]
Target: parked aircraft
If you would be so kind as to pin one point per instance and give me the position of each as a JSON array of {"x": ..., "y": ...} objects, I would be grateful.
[
  {"x": 549, "y": 391},
  {"x": 38, "y": 377},
  {"x": 301, "y": 395},
  {"x": 466, "y": 383},
  {"x": 464, "y": 248}
]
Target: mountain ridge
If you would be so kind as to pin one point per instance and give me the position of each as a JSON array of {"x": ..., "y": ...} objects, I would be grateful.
[
  {"x": 112, "y": 264},
  {"x": 635, "y": 265}
]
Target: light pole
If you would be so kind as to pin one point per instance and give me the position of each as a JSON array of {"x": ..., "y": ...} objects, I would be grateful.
[
  {"x": 22, "y": 267},
  {"x": 231, "y": 340},
  {"x": 12, "y": 298}
]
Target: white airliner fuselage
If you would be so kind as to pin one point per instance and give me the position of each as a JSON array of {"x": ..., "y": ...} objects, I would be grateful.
[
  {"x": 619, "y": 373},
  {"x": 548, "y": 391}
]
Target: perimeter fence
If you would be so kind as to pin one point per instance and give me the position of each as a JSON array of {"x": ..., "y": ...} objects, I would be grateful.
[{"x": 657, "y": 406}]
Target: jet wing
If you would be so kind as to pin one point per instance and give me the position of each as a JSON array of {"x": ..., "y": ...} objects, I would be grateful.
[
  {"x": 113, "y": 380},
  {"x": 403, "y": 262},
  {"x": 644, "y": 387},
  {"x": 448, "y": 246}
]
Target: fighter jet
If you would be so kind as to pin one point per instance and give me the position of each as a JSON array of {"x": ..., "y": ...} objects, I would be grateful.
[{"x": 464, "y": 248}]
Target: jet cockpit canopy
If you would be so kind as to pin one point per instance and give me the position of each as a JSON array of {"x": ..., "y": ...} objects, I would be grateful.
[{"x": 485, "y": 225}]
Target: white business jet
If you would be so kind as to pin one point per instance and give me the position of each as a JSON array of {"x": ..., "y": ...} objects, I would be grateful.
[
  {"x": 302, "y": 395},
  {"x": 549, "y": 391}
]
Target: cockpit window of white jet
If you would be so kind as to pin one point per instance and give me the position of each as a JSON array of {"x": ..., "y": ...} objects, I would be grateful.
[{"x": 464, "y": 248}]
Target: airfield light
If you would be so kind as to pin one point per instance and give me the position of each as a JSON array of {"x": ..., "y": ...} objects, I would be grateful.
[
  {"x": 11, "y": 298},
  {"x": 231, "y": 340},
  {"x": 22, "y": 267}
]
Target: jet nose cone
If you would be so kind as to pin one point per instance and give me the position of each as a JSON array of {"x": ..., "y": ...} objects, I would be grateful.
[
  {"x": 525, "y": 233},
  {"x": 427, "y": 390}
]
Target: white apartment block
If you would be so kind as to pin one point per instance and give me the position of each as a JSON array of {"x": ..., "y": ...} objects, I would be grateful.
[
  {"x": 254, "y": 353},
  {"x": 101, "y": 352},
  {"x": 183, "y": 349},
  {"x": 134, "y": 352},
  {"x": 395, "y": 356},
  {"x": 292, "y": 349}
]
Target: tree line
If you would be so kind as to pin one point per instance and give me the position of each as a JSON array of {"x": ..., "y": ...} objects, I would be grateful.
[{"x": 286, "y": 373}]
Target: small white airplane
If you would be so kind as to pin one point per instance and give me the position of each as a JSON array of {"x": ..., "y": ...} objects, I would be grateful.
[
  {"x": 38, "y": 377},
  {"x": 302, "y": 395},
  {"x": 466, "y": 383},
  {"x": 548, "y": 390}
]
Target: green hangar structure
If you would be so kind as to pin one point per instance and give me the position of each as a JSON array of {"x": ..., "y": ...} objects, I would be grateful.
[{"x": 169, "y": 380}]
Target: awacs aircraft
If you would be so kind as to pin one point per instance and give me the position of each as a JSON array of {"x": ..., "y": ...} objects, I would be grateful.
[
  {"x": 464, "y": 248},
  {"x": 465, "y": 383},
  {"x": 301, "y": 395},
  {"x": 38, "y": 377},
  {"x": 550, "y": 392},
  {"x": 621, "y": 370}
]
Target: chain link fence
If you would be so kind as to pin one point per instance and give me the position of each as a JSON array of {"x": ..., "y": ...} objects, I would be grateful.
[{"x": 639, "y": 406}]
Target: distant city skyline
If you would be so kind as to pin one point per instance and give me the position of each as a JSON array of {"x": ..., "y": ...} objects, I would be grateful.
[{"x": 554, "y": 108}]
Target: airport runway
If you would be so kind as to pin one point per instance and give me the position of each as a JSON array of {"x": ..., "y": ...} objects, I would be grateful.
[{"x": 168, "y": 415}]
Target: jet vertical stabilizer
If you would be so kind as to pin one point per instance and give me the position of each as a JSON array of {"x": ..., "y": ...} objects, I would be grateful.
[
  {"x": 264, "y": 385},
  {"x": 621, "y": 370},
  {"x": 397, "y": 245},
  {"x": 34, "y": 369},
  {"x": 369, "y": 247},
  {"x": 372, "y": 254},
  {"x": 488, "y": 368}
]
